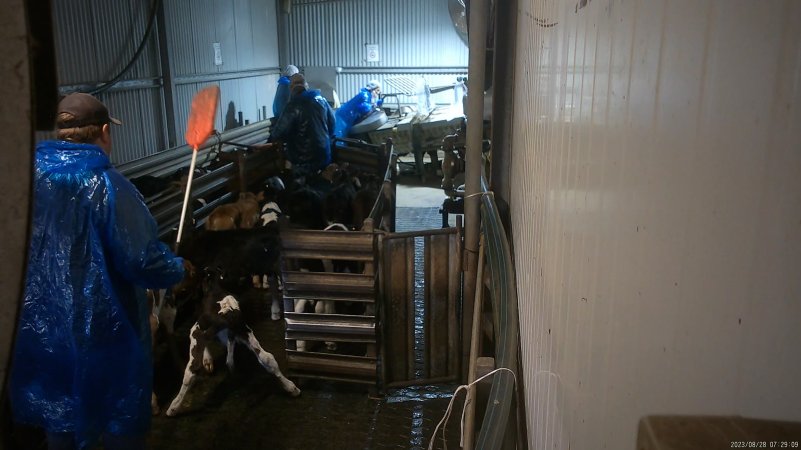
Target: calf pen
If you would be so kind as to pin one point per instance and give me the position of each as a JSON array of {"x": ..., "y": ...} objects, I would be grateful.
[{"x": 383, "y": 337}]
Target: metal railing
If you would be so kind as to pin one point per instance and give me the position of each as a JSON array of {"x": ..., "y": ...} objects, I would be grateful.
[
  {"x": 233, "y": 169},
  {"x": 166, "y": 162}
]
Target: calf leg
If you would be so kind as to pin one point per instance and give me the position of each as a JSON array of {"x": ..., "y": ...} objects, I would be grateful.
[
  {"x": 275, "y": 309},
  {"x": 190, "y": 373},
  {"x": 166, "y": 313},
  {"x": 271, "y": 282},
  {"x": 154, "y": 326},
  {"x": 167, "y": 317},
  {"x": 208, "y": 361},
  {"x": 300, "y": 306},
  {"x": 326, "y": 307},
  {"x": 226, "y": 338},
  {"x": 369, "y": 310},
  {"x": 267, "y": 360}
]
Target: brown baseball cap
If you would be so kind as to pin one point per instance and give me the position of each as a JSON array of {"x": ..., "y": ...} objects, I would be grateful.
[{"x": 87, "y": 111}]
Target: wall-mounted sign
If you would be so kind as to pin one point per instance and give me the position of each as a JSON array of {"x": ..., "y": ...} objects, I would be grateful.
[
  {"x": 217, "y": 54},
  {"x": 371, "y": 52}
]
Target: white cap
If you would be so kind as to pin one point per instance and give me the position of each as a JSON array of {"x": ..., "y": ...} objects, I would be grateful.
[
  {"x": 373, "y": 85},
  {"x": 290, "y": 70}
]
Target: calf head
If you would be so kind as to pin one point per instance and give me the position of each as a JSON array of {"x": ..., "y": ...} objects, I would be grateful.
[
  {"x": 329, "y": 172},
  {"x": 304, "y": 206},
  {"x": 338, "y": 205},
  {"x": 273, "y": 186}
]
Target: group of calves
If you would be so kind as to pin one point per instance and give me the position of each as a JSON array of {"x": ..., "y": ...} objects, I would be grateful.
[{"x": 241, "y": 246}]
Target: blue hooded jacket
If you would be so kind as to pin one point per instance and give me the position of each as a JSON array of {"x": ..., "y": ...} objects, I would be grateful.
[
  {"x": 82, "y": 359},
  {"x": 281, "y": 96},
  {"x": 307, "y": 126},
  {"x": 353, "y": 111}
]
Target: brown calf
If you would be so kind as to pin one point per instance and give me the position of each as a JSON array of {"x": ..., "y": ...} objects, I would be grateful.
[{"x": 244, "y": 213}]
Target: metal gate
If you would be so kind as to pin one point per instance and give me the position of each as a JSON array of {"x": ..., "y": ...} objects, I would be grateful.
[
  {"x": 421, "y": 334},
  {"x": 344, "y": 329},
  {"x": 411, "y": 330}
]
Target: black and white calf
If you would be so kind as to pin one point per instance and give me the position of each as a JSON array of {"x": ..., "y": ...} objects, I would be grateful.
[
  {"x": 222, "y": 319},
  {"x": 239, "y": 254},
  {"x": 270, "y": 215}
]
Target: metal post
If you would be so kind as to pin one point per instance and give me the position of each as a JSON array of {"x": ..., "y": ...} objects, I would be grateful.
[
  {"x": 470, "y": 415},
  {"x": 167, "y": 79},
  {"x": 477, "y": 32},
  {"x": 503, "y": 101},
  {"x": 16, "y": 116}
]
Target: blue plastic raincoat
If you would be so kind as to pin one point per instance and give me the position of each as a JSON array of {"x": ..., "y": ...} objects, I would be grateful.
[
  {"x": 353, "y": 111},
  {"x": 281, "y": 96},
  {"x": 306, "y": 125},
  {"x": 82, "y": 359}
]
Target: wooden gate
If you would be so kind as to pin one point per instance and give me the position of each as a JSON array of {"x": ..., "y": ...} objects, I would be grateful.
[{"x": 421, "y": 334}]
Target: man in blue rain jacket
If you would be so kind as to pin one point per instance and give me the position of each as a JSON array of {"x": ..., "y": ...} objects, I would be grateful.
[
  {"x": 282, "y": 93},
  {"x": 82, "y": 364},
  {"x": 307, "y": 127},
  {"x": 357, "y": 108}
]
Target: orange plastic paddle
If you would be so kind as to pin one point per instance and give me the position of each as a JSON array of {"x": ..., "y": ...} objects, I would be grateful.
[
  {"x": 201, "y": 117},
  {"x": 198, "y": 129}
]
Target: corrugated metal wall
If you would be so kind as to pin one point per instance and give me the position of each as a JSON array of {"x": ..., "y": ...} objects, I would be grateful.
[
  {"x": 95, "y": 39},
  {"x": 414, "y": 38},
  {"x": 656, "y": 211}
]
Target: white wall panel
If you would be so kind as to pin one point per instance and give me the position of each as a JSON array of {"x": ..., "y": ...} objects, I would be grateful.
[{"x": 656, "y": 210}]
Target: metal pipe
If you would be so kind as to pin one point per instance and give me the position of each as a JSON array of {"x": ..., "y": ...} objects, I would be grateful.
[
  {"x": 470, "y": 403},
  {"x": 167, "y": 78},
  {"x": 167, "y": 161},
  {"x": 477, "y": 32}
]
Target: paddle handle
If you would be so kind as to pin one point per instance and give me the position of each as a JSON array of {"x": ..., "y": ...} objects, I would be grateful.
[{"x": 186, "y": 197}]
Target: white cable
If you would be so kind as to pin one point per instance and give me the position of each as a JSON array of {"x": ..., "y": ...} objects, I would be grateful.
[
  {"x": 336, "y": 225},
  {"x": 450, "y": 406}
]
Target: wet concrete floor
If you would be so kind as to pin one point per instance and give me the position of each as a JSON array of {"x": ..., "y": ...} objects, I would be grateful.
[{"x": 247, "y": 408}]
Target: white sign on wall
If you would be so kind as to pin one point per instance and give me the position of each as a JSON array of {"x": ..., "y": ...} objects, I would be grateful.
[
  {"x": 371, "y": 52},
  {"x": 217, "y": 54}
]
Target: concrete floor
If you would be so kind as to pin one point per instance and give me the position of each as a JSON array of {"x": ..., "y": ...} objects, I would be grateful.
[
  {"x": 247, "y": 409},
  {"x": 419, "y": 197}
]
